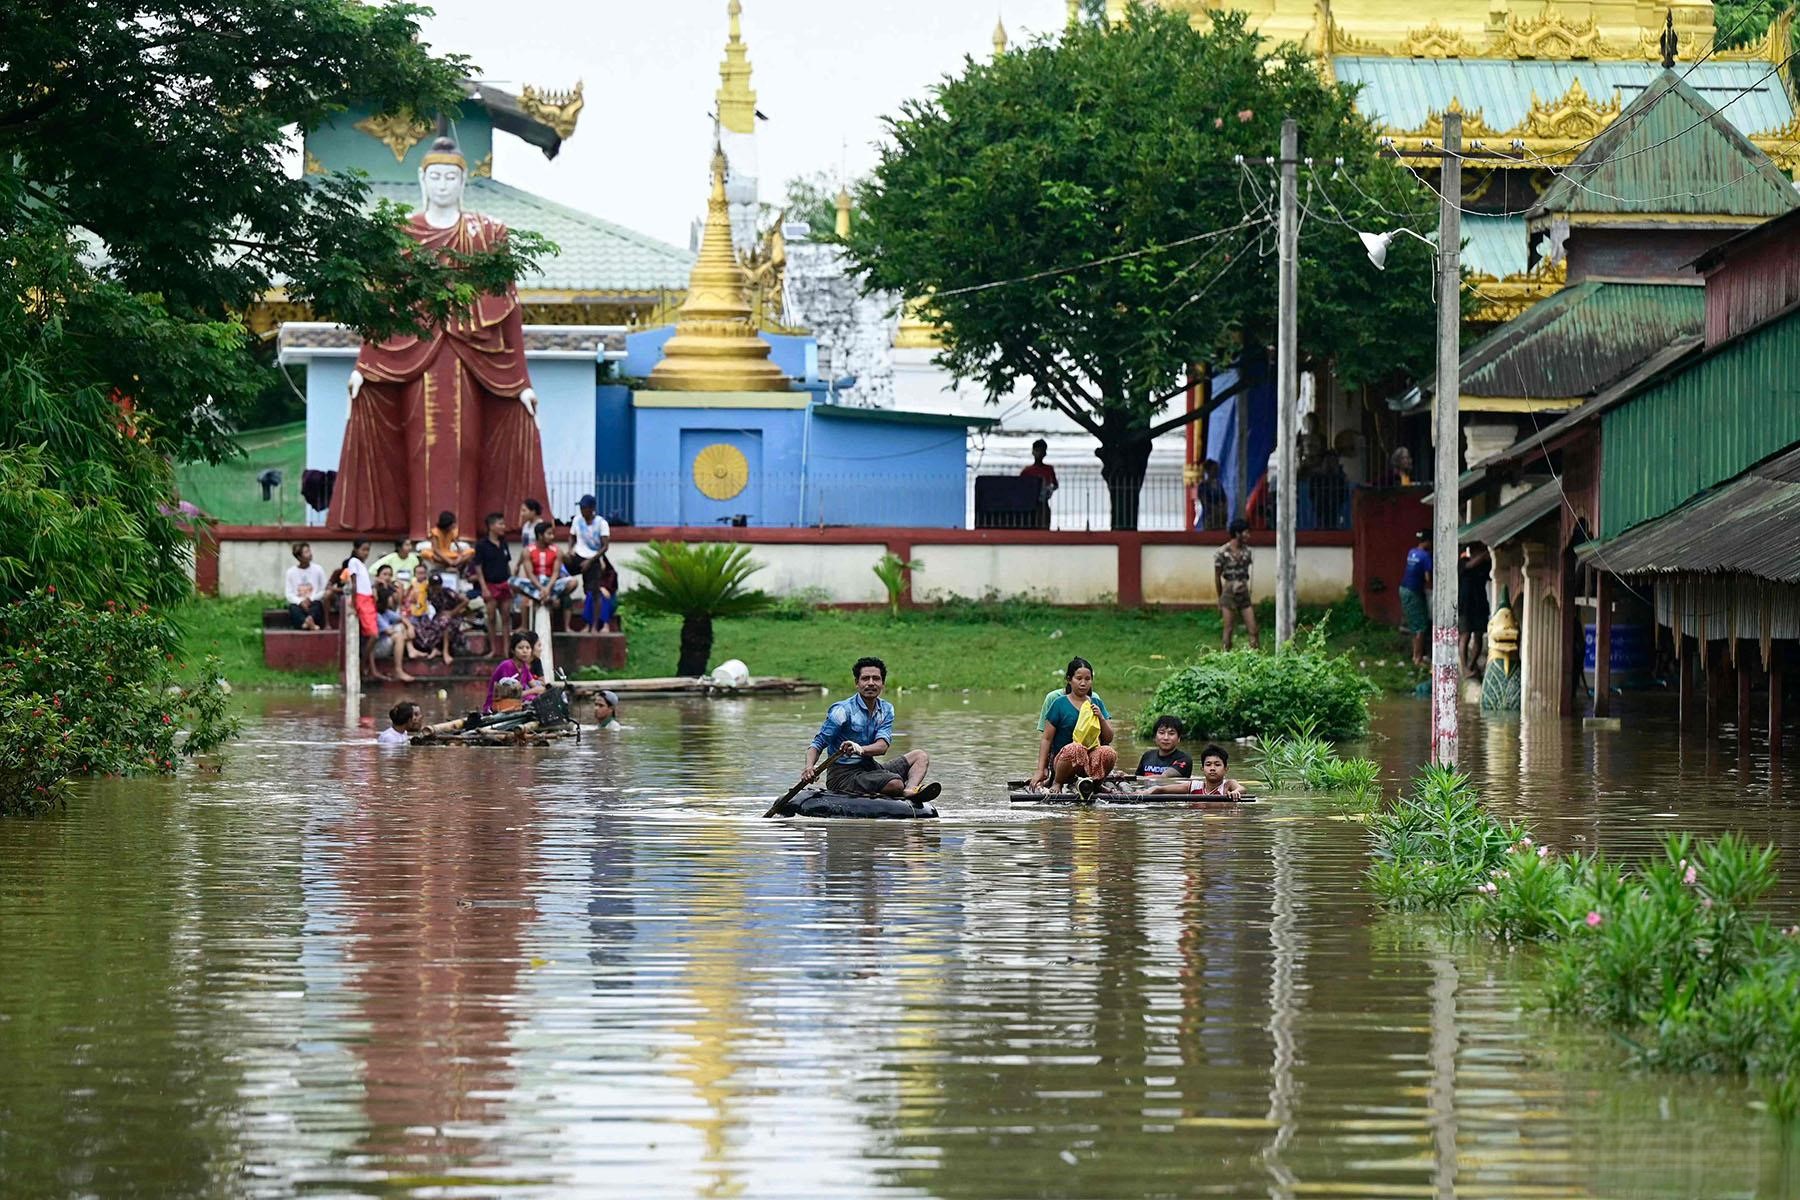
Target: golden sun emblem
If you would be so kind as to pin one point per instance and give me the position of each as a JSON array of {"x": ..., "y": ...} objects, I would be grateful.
[{"x": 721, "y": 471}]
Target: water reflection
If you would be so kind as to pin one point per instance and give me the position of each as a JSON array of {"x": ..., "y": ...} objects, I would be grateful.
[{"x": 592, "y": 970}]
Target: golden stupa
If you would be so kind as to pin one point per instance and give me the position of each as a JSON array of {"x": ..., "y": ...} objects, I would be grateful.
[{"x": 715, "y": 347}]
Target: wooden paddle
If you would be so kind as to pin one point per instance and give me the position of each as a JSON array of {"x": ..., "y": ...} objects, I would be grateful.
[{"x": 806, "y": 777}]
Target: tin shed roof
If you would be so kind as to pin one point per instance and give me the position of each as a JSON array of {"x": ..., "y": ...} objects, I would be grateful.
[
  {"x": 1513, "y": 517},
  {"x": 1670, "y": 151},
  {"x": 1744, "y": 527},
  {"x": 1572, "y": 345},
  {"x": 597, "y": 256}
]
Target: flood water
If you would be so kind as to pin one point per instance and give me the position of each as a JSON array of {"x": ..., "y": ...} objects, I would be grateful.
[{"x": 594, "y": 970}]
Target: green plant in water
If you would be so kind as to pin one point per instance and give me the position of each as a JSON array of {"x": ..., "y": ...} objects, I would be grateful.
[
  {"x": 1245, "y": 693},
  {"x": 1301, "y": 760},
  {"x": 894, "y": 573},
  {"x": 700, "y": 582},
  {"x": 94, "y": 691}
]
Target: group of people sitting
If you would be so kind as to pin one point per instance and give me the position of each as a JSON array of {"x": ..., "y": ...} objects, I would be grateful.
[
  {"x": 1075, "y": 746},
  {"x": 424, "y": 598}
]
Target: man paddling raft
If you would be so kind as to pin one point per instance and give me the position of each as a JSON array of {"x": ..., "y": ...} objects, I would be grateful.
[{"x": 861, "y": 729}]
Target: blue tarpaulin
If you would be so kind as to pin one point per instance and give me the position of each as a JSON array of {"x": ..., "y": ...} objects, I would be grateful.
[{"x": 1222, "y": 424}]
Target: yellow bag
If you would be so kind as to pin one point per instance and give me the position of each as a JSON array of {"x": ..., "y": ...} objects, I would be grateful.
[{"x": 1087, "y": 726}]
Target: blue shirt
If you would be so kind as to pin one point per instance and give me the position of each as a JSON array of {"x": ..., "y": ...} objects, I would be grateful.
[
  {"x": 1062, "y": 717},
  {"x": 1418, "y": 566},
  {"x": 851, "y": 721}
]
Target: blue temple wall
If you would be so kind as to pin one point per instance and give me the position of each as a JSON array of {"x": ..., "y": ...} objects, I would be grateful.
[
  {"x": 868, "y": 471},
  {"x": 796, "y": 355}
]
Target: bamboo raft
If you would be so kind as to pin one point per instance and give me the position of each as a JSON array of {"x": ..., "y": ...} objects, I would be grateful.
[
  {"x": 676, "y": 685},
  {"x": 543, "y": 721}
]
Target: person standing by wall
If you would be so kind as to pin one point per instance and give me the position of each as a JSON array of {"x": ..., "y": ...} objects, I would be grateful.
[
  {"x": 1212, "y": 508},
  {"x": 1414, "y": 583},
  {"x": 494, "y": 568},
  {"x": 1045, "y": 474},
  {"x": 1231, "y": 576}
]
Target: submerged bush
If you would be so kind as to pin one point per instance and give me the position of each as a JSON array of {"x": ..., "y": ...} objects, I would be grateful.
[
  {"x": 94, "y": 691},
  {"x": 1670, "y": 953},
  {"x": 1301, "y": 760},
  {"x": 1249, "y": 693}
]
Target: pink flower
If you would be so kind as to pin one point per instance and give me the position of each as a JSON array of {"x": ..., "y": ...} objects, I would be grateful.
[
  {"x": 1691, "y": 875},
  {"x": 1593, "y": 920},
  {"x": 1218, "y": 122},
  {"x": 1525, "y": 840},
  {"x": 1543, "y": 852},
  {"x": 1246, "y": 115},
  {"x": 1706, "y": 902},
  {"x": 1488, "y": 888}
]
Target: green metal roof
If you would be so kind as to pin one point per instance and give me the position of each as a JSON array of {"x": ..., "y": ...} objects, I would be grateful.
[
  {"x": 1513, "y": 517},
  {"x": 1694, "y": 428},
  {"x": 898, "y": 416},
  {"x": 1745, "y": 527},
  {"x": 597, "y": 256},
  {"x": 1577, "y": 342},
  {"x": 1494, "y": 245},
  {"x": 1670, "y": 151},
  {"x": 1400, "y": 93}
]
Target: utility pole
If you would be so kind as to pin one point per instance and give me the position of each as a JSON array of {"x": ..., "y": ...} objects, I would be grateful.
[
  {"x": 1446, "y": 508},
  {"x": 1287, "y": 361}
]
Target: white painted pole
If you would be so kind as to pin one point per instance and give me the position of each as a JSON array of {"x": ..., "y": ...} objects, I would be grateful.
[
  {"x": 1287, "y": 357},
  {"x": 540, "y": 621},
  {"x": 1446, "y": 665},
  {"x": 352, "y": 655}
]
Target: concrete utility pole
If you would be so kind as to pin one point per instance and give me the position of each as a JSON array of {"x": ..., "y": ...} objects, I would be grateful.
[
  {"x": 1287, "y": 359},
  {"x": 1446, "y": 508}
]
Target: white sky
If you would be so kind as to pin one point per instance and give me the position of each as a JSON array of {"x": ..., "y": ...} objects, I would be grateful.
[{"x": 825, "y": 72}]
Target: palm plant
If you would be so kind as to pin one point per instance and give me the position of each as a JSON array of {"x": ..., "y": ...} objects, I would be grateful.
[{"x": 698, "y": 582}]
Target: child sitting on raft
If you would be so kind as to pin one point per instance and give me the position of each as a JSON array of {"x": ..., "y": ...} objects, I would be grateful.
[
  {"x": 1168, "y": 760},
  {"x": 1211, "y": 781}
]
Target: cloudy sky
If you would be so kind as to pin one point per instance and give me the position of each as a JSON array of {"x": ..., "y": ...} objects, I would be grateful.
[{"x": 825, "y": 73}]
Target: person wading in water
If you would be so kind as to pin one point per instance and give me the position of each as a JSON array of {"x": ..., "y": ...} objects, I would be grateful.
[{"x": 860, "y": 729}]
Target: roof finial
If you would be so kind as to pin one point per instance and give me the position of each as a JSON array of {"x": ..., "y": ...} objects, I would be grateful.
[
  {"x": 737, "y": 103},
  {"x": 843, "y": 212},
  {"x": 1670, "y": 42},
  {"x": 1074, "y": 12},
  {"x": 999, "y": 38}
]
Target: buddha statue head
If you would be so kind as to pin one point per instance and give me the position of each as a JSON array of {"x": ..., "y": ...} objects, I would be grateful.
[{"x": 442, "y": 173}]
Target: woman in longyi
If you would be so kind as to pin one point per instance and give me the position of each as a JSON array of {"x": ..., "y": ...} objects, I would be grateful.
[{"x": 447, "y": 420}]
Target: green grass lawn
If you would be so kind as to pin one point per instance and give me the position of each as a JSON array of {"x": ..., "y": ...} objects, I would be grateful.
[
  {"x": 228, "y": 491},
  {"x": 1003, "y": 647}
]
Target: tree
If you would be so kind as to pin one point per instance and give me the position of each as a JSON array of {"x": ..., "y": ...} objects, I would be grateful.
[
  {"x": 699, "y": 582},
  {"x": 144, "y": 203},
  {"x": 1076, "y": 213}
]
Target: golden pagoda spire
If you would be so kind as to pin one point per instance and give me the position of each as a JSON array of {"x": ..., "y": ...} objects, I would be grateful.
[
  {"x": 999, "y": 38},
  {"x": 1074, "y": 12},
  {"x": 715, "y": 347},
  {"x": 737, "y": 102},
  {"x": 843, "y": 212}
]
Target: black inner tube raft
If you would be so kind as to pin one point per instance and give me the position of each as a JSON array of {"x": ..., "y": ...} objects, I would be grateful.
[{"x": 821, "y": 803}]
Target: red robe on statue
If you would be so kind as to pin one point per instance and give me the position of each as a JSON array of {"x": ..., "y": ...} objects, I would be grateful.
[{"x": 438, "y": 424}]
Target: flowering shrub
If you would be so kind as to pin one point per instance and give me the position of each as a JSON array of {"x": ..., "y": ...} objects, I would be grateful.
[
  {"x": 1671, "y": 952},
  {"x": 93, "y": 691}
]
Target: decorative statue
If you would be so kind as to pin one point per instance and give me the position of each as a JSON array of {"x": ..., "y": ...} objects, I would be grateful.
[
  {"x": 1500, "y": 691},
  {"x": 447, "y": 421}
]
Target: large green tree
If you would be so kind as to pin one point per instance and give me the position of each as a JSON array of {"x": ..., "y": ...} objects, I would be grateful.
[
  {"x": 146, "y": 198},
  {"x": 1077, "y": 212}
]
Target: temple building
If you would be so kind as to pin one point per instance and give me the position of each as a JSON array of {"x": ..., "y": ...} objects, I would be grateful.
[{"x": 1534, "y": 82}]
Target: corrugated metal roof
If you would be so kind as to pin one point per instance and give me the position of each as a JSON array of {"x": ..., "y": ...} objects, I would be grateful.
[
  {"x": 1730, "y": 408},
  {"x": 1671, "y": 151},
  {"x": 1494, "y": 246},
  {"x": 1513, "y": 517},
  {"x": 597, "y": 255},
  {"x": 1400, "y": 93},
  {"x": 1668, "y": 357},
  {"x": 1577, "y": 342},
  {"x": 1745, "y": 527}
]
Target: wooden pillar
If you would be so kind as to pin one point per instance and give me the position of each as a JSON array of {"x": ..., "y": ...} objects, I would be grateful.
[
  {"x": 1743, "y": 696},
  {"x": 1684, "y": 672},
  {"x": 1602, "y": 645},
  {"x": 1709, "y": 662},
  {"x": 1774, "y": 709}
]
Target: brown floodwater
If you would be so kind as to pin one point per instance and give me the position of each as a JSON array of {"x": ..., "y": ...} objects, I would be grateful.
[{"x": 593, "y": 970}]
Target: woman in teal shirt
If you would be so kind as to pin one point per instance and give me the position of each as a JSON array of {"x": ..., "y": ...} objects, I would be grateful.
[{"x": 1060, "y": 756}]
